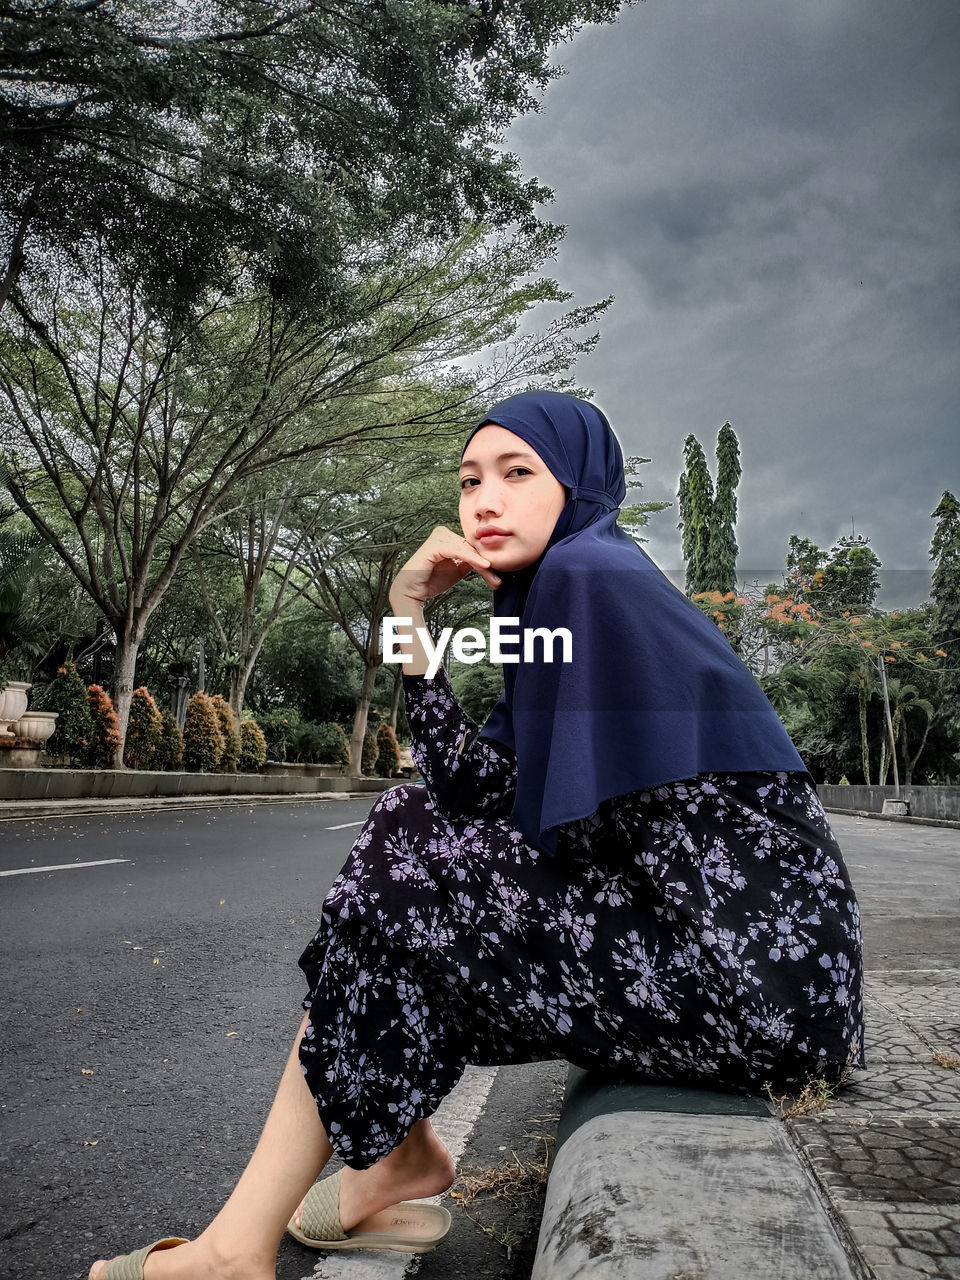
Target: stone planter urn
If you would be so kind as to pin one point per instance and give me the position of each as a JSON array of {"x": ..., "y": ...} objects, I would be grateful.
[
  {"x": 13, "y": 703},
  {"x": 36, "y": 727}
]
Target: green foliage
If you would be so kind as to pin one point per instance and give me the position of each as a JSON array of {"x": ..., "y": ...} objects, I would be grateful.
[
  {"x": 368, "y": 756},
  {"x": 144, "y": 731},
  {"x": 229, "y": 732},
  {"x": 202, "y": 738},
  {"x": 478, "y": 687},
  {"x": 253, "y": 747},
  {"x": 388, "y": 752},
  {"x": 202, "y": 139},
  {"x": 319, "y": 743},
  {"x": 279, "y": 725},
  {"x": 845, "y": 577},
  {"x": 105, "y": 739},
  {"x": 67, "y": 695},
  {"x": 635, "y": 517},
  {"x": 708, "y": 518},
  {"x": 721, "y": 566},
  {"x": 304, "y": 664},
  {"x": 945, "y": 553},
  {"x": 21, "y": 560},
  {"x": 169, "y": 753}
]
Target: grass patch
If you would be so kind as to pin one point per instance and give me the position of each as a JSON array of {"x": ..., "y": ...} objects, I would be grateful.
[
  {"x": 513, "y": 1184},
  {"x": 944, "y": 1058},
  {"x": 816, "y": 1095}
]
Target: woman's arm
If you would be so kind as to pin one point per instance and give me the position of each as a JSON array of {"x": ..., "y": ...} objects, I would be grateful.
[{"x": 466, "y": 775}]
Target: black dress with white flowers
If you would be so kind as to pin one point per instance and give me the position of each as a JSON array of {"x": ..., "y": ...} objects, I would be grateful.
[{"x": 703, "y": 931}]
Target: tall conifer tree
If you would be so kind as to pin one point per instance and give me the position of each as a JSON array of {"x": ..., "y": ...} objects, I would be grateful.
[
  {"x": 707, "y": 516},
  {"x": 945, "y": 551}
]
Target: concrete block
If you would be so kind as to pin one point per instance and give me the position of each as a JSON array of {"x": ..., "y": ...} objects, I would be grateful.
[{"x": 662, "y": 1196}]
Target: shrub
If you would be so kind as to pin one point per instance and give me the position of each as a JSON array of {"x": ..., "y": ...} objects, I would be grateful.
[
  {"x": 105, "y": 738},
  {"x": 278, "y": 725},
  {"x": 388, "y": 752},
  {"x": 330, "y": 744},
  {"x": 253, "y": 747},
  {"x": 169, "y": 753},
  {"x": 202, "y": 739},
  {"x": 230, "y": 732},
  {"x": 144, "y": 731},
  {"x": 67, "y": 695},
  {"x": 368, "y": 756}
]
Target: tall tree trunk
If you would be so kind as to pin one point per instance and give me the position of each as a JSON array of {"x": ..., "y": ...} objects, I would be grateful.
[
  {"x": 240, "y": 676},
  {"x": 129, "y": 637},
  {"x": 395, "y": 700},
  {"x": 17, "y": 258},
  {"x": 362, "y": 713},
  {"x": 864, "y": 741}
]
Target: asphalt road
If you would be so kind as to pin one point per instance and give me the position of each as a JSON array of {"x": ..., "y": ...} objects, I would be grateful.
[
  {"x": 146, "y": 1011},
  {"x": 147, "y": 1006}
]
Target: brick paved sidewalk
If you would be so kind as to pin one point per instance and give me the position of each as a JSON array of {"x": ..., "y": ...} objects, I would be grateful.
[{"x": 887, "y": 1156}]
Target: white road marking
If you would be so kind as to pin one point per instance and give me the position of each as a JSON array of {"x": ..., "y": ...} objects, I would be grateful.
[
  {"x": 454, "y": 1122},
  {"x": 63, "y": 866},
  {"x": 343, "y": 825}
]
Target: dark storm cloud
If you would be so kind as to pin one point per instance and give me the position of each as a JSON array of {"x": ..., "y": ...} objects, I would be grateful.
[{"x": 772, "y": 192}]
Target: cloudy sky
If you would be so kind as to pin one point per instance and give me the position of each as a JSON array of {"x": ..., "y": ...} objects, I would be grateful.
[{"x": 771, "y": 190}]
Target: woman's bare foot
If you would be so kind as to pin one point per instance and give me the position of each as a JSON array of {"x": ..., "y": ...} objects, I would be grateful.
[
  {"x": 199, "y": 1260},
  {"x": 421, "y": 1166}
]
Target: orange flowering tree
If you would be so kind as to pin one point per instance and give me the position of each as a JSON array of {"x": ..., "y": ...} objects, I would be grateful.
[
  {"x": 818, "y": 667},
  {"x": 105, "y": 739}
]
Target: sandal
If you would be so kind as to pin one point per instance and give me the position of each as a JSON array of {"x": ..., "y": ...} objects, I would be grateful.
[
  {"x": 130, "y": 1266},
  {"x": 407, "y": 1227}
]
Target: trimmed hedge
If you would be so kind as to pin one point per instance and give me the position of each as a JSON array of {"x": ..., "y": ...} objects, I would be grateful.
[
  {"x": 144, "y": 731},
  {"x": 253, "y": 747},
  {"x": 202, "y": 740}
]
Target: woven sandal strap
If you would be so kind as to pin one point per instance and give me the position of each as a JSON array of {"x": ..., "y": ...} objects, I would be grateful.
[
  {"x": 130, "y": 1266},
  {"x": 320, "y": 1219}
]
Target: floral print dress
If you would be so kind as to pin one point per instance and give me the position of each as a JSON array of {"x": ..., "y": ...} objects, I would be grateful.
[{"x": 703, "y": 931}]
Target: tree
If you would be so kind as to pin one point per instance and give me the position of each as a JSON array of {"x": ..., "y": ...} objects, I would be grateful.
[
  {"x": 202, "y": 739},
  {"x": 845, "y": 577},
  {"x": 105, "y": 740},
  {"x": 169, "y": 753},
  {"x": 67, "y": 696},
  {"x": 388, "y": 753},
  {"x": 695, "y": 498},
  {"x": 281, "y": 135},
  {"x": 721, "y": 566},
  {"x": 123, "y": 438},
  {"x": 945, "y": 590},
  {"x": 144, "y": 731},
  {"x": 230, "y": 734},
  {"x": 708, "y": 517},
  {"x": 253, "y": 747}
]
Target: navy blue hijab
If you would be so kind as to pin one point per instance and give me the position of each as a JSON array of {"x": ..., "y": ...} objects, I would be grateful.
[{"x": 654, "y": 693}]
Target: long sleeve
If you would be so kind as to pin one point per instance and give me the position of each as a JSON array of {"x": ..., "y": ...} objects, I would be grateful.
[{"x": 466, "y": 775}]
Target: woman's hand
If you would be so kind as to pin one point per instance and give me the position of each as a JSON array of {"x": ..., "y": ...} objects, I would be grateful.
[{"x": 442, "y": 560}]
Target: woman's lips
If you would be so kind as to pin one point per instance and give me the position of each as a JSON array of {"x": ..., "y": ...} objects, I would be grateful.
[{"x": 492, "y": 536}]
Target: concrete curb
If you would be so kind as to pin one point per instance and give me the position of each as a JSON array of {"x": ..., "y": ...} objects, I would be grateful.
[
  {"x": 895, "y": 817},
  {"x": 11, "y": 810},
  {"x": 657, "y": 1181}
]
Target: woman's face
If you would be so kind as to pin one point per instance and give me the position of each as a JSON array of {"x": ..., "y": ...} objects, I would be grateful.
[{"x": 509, "y": 500}]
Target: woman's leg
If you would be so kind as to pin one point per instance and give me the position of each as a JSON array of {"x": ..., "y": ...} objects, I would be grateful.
[{"x": 242, "y": 1240}]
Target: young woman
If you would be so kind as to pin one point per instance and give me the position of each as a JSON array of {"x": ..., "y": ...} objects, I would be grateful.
[{"x": 627, "y": 867}]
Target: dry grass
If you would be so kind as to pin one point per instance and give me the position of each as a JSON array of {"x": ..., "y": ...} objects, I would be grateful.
[
  {"x": 944, "y": 1058},
  {"x": 816, "y": 1095},
  {"x": 511, "y": 1183}
]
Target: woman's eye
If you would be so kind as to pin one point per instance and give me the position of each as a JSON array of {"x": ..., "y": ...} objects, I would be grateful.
[
  {"x": 467, "y": 482},
  {"x": 525, "y": 470}
]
